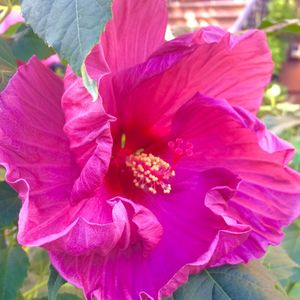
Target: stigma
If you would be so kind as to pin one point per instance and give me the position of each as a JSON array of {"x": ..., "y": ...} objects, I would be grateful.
[{"x": 150, "y": 172}]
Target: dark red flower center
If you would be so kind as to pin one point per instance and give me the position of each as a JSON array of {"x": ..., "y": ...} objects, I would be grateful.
[{"x": 150, "y": 169}]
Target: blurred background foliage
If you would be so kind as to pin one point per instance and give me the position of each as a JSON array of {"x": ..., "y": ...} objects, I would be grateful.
[
  {"x": 25, "y": 274},
  {"x": 279, "y": 11},
  {"x": 280, "y": 107}
]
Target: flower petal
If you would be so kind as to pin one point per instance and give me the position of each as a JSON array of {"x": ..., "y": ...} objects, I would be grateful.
[
  {"x": 101, "y": 227},
  {"x": 51, "y": 60},
  {"x": 209, "y": 61},
  {"x": 35, "y": 151},
  {"x": 88, "y": 129},
  {"x": 207, "y": 235},
  {"x": 137, "y": 29},
  {"x": 268, "y": 196},
  {"x": 132, "y": 272},
  {"x": 91, "y": 270}
]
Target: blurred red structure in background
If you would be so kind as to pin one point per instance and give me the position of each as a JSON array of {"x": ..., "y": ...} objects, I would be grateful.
[
  {"x": 290, "y": 73},
  {"x": 186, "y": 15}
]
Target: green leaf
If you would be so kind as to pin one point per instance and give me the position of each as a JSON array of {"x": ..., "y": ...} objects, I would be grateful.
[
  {"x": 291, "y": 242},
  {"x": 72, "y": 27},
  {"x": 2, "y": 240},
  {"x": 282, "y": 26},
  {"x": 9, "y": 205},
  {"x": 231, "y": 282},
  {"x": 281, "y": 265},
  {"x": 266, "y": 23},
  {"x": 294, "y": 293},
  {"x": 26, "y": 43},
  {"x": 89, "y": 83},
  {"x": 54, "y": 283},
  {"x": 13, "y": 265},
  {"x": 8, "y": 64},
  {"x": 12, "y": 30}
]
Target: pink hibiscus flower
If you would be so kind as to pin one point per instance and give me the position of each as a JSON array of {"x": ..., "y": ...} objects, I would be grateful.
[{"x": 166, "y": 174}]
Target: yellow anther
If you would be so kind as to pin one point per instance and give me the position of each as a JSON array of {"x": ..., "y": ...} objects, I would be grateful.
[
  {"x": 150, "y": 172},
  {"x": 123, "y": 141}
]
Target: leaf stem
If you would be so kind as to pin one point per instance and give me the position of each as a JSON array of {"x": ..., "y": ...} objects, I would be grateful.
[
  {"x": 37, "y": 287},
  {"x": 281, "y": 25}
]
